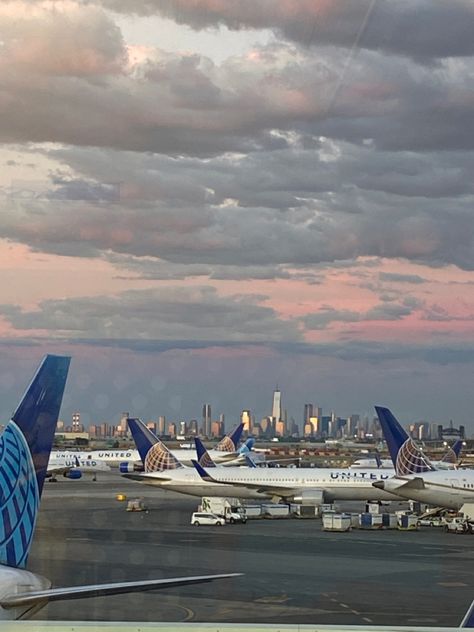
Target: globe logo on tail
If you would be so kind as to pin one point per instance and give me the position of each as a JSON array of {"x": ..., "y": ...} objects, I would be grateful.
[
  {"x": 159, "y": 458},
  {"x": 19, "y": 497},
  {"x": 411, "y": 460}
]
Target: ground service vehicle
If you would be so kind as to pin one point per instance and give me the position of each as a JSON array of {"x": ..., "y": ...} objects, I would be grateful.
[{"x": 206, "y": 518}]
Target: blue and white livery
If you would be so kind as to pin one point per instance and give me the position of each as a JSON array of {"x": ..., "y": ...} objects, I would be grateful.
[
  {"x": 25, "y": 447},
  {"x": 415, "y": 477}
]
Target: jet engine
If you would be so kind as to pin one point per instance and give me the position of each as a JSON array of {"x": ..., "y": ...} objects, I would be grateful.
[
  {"x": 309, "y": 497},
  {"x": 128, "y": 467},
  {"x": 74, "y": 474}
]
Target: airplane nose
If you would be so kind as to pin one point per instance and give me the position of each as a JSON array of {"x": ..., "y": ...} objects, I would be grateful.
[{"x": 379, "y": 484}]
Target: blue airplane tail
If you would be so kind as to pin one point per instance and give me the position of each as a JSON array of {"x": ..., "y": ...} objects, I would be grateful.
[
  {"x": 25, "y": 446},
  {"x": 406, "y": 455},
  {"x": 230, "y": 442},
  {"x": 203, "y": 456},
  {"x": 155, "y": 455},
  {"x": 452, "y": 455}
]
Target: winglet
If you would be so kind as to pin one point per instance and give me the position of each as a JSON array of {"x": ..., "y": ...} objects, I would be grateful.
[
  {"x": 25, "y": 448},
  {"x": 202, "y": 472},
  {"x": 155, "y": 455},
  {"x": 452, "y": 454},
  {"x": 203, "y": 456},
  {"x": 230, "y": 442},
  {"x": 250, "y": 462},
  {"x": 468, "y": 620}
]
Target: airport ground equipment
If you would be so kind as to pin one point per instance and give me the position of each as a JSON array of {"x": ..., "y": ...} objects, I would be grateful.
[
  {"x": 137, "y": 504},
  {"x": 336, "y": 522},
  {"x": 460, "y": 524},
  {"x": 199, "y": 518},
  {"x": 231, "y": 509}
]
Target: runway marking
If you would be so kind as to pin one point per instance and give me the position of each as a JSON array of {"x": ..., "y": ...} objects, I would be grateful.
[
  {"x": 367, "y": 619},
  {"x": 344, "y": 605},
  {"x": 78, "y": 539},
  {"x": 452, "y": 584}
]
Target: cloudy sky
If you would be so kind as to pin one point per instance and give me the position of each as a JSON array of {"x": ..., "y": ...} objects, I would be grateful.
[{"x": 202, "y": 198}]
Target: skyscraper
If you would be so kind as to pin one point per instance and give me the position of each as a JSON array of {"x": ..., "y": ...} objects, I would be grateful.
[
  {"x": 246, "y": 419},
  {"x": 206, "y": 419},
  {"x": 276, "y": 409}
]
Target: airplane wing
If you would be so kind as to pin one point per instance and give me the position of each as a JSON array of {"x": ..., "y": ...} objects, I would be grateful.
[
  {"x": 468, "y": 620},
  {"x": 263, "y": 488},
  {"x": 146, "y": 476},
  {"x": 98, "y": 590}
]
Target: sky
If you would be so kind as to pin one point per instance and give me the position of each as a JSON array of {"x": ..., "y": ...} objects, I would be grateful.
[{"x": 202, "y": 199}]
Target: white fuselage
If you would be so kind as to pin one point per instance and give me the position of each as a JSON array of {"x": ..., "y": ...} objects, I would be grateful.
[
  {"x": 451, "y": 489},
  {"x": 386, "y": 464},
  {"x": 57, "y": 464},
  {"x": 115, "y": 457},
  {"x": 336, "y": 484},
  {"x": 13, "y": 581}
]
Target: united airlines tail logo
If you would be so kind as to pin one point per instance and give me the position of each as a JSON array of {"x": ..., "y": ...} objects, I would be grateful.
[
  {"x": 450, "y": 457},
  {"x": 411, "y": 460},
  {"x": 226, "y": 445},
  {"x": 159, "y": 459},
  {"x": 206, "y": 461},
  {"x": 19, "y": 497}
]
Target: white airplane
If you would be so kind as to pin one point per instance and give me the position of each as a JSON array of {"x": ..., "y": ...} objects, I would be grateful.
[
  {"x": 25, "y": 447},
  {"x": 415, "y": 478},
  {"x": 130, "y": 461},
  {"x": 449, "y": 461},
  {"x": 299, "y": 485},
  {"x": 74, "y": 467}
]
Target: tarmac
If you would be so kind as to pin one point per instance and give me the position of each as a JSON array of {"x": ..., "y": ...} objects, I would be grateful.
[{"x": 294, "y": 573}]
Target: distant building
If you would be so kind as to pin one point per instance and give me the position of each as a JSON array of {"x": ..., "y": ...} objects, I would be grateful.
[
  {"x": 276, "y": 408},
  {"x": 246, "y": 419},
  {"x": 206, "y": 420}
]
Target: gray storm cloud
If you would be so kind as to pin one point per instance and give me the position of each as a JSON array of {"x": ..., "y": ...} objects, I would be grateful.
[
  {"x": 423, "y": 29},
  {"x": 173, "y": 313}
]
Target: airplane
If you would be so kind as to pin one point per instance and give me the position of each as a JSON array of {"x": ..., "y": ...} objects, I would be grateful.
[
  {"x": 25, "y": 446},
  {"x": 74, "y": 468},
  {"x": 415, "y": 477},
  {"x": 129, "y": 460},
  {"x": 449, "y": 461},
  {"x": 302, "y": 485},
  {"x": 237, "y": 456}
]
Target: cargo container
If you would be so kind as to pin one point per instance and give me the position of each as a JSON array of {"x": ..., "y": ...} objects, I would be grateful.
[
  {"x": 336, "y": 522},
  {"x": 407, "y": 522},
  {"x": 253, "y": 512},
  {"x": 389, "y": 520},
  {"x": 370, "y": 521},
  {"x": 276, "y": 511},
  {"x": 305, "y": 511}
]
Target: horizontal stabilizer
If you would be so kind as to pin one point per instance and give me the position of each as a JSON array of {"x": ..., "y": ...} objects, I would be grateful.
[
  {"x": 99, "y": 590},
  {"x": 414, "y": 483}
]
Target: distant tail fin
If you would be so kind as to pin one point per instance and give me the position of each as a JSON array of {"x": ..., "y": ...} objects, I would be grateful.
[
  {"x": 406, "y": 455},
  {"x": 452, "y": 454},
  {"x": 249, "y": 461},
  {"x": 203, "y": 456},
  {"x": 247, "y": 446},
  {"x": 25, "y": 447},
  {"x": 230, "y": 442},
  {"x": 155, "y": 455},
  {"x": 378, "y": 460}
]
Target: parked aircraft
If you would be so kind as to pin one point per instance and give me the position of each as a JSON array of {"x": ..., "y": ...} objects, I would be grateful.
[
  {"x": 74, "y": 467},
  {"x": 25, "y": 447},
  {"x": 449, "y": 461},
  {"x": 415, "y": 477},
  {"x": 302, "y": 485}
]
